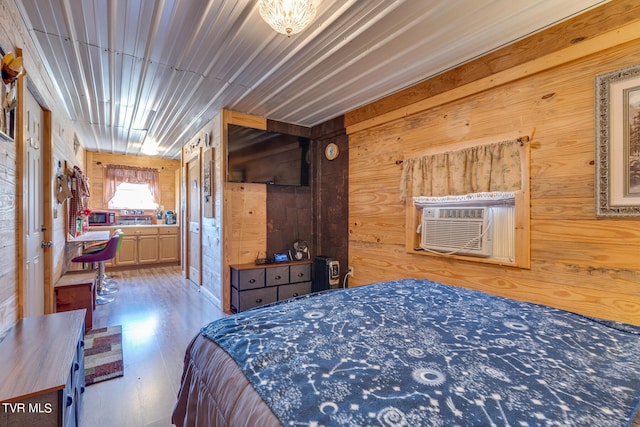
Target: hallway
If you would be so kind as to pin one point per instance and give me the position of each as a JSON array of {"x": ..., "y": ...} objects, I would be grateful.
[{"x": 160, "y": 312}]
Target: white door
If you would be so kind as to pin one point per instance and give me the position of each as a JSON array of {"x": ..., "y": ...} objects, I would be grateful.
[
  {"x": 33, "y": 215},
  {"x": 194, "y": 239}
]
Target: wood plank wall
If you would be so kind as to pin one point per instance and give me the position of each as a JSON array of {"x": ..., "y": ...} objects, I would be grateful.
[
  {"x": 96, "y": 162},
  {"x": 578, "y": 262},
  {"x": 13, "y": 36}
]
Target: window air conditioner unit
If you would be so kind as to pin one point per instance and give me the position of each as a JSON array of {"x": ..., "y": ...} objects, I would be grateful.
[{"x": 456, "y": 230}]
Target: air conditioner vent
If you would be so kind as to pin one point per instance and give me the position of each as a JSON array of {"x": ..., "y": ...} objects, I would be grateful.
[{"x": 460, "y": 230}]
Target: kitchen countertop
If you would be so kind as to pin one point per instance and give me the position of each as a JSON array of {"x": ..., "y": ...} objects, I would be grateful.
[{"x": 112, "y": 226}]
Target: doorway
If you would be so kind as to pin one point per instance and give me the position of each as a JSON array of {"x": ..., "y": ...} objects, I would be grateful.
[
  {"x": 34, "y": 300},
  {"x": 193, "y": 220}
]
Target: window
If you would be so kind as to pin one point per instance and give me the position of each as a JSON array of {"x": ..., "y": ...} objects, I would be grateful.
[
  {"x": 496, "y": 167},
  {"x": 132, "y": 196}
]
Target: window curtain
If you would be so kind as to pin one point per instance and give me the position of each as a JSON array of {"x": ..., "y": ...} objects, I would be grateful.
[
  {"x": 493, "y": 167},
  {"x": 115, "y": 175}
]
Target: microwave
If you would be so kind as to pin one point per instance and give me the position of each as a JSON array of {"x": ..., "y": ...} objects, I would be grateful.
[{"x": 102, "y": 218}]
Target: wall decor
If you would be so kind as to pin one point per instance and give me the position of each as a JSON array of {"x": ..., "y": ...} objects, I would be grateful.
[
  {"x": 11, "y": 70},
  {"x": 617, "y": 179},
  {"x": 208, "y": 183}
]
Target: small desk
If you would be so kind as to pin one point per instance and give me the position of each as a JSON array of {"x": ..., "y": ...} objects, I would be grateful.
[{"x": 91, "y": 236}]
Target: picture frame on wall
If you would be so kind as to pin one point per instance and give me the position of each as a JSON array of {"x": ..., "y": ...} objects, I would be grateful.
[
  {"x": 617, "y": 180},
  {"x": 208, "y": 183}
]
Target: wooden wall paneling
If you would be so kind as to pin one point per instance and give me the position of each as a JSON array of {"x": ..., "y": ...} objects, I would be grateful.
[
  {"x": 8, "y": 208},
  {"x": 288, "y": 128},
  {"x": 212, "y": 266},
  {"x": 235, "y": 118},
  {"x": 20, "y": 188},
  {"x": 246, "y": 219},
  {"x": 331, "y": 194},
  {"x": 289, "y": 217},
  {"x": 12, "y": 33},
  {"x": 578, "y": 262}
]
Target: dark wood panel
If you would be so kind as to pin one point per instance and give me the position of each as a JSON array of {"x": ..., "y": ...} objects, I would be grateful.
[{"x": 331, "y": 192}]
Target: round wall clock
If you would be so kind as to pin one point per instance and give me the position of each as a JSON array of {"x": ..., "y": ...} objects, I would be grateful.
[{"x": 331, "y": 151}]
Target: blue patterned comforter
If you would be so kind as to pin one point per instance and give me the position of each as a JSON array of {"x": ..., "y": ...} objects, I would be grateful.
[{"x": 420, "y": 353}]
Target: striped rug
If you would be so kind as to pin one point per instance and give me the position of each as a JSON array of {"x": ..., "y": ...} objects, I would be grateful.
[{"x": 103, "y": 354}]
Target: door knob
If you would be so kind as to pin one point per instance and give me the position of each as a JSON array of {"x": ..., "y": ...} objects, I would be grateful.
[{"x": 46, "y": 244}]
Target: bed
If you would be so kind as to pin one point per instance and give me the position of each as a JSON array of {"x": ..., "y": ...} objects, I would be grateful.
[{"x": 410, "y": 353}]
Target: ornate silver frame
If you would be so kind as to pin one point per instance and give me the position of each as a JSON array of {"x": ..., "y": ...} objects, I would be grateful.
[{"x": 608, "y": 85}]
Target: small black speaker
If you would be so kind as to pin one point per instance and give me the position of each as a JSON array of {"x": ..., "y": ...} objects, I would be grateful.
[{"x": 326, "y": 273}]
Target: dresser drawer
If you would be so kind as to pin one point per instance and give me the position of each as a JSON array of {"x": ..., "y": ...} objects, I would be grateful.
[
  {"x": 256, "y": 297},
  {"x": 300, "y": 273},
  {"x": 247, "y": 279},
  {"x": 295, "y": 290},
  {"x": 277, "y": 275}
]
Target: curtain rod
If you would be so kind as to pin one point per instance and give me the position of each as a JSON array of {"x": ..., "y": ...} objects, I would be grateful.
[{"x": 127, "y": 166}]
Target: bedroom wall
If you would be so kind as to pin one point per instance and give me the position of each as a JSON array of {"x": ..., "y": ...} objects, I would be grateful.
[
  {"x": 578, "y": 262},
  {"x": 14, "y": 35}
]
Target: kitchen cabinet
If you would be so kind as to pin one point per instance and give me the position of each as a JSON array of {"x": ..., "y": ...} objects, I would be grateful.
[
  {"x": 146, "y": 245},
  {"x": 147, "y": 249},
  {"x": 128, "y": 252},
  {"x": 168, "y": 244}
]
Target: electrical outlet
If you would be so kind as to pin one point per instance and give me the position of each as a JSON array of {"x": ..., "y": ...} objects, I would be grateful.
[{"x": 350, "y": 271}]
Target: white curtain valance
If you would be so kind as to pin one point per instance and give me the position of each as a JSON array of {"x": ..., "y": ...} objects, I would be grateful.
[
  {"x": 473, "y": 199},
  {"x": 486, "y": 168}
]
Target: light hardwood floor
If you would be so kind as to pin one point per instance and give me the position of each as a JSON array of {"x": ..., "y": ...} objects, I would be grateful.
[{"x": 160, "y": 312}]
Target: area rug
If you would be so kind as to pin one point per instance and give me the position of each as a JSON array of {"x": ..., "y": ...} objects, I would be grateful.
[{"x": 103, "y": 354}]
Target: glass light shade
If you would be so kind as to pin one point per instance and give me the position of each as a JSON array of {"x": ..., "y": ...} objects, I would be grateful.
[{"x": 287, "y": 16}]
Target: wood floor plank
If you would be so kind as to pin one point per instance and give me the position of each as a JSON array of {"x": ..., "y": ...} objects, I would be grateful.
[{"x": 160, "y": 312}]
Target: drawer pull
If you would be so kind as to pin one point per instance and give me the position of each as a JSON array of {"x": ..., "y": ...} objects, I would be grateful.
[
  {"x": 69, "y": 400},
  {"x": 258, "y": 301},
  {"x": 300, "y": 274},
  {"x": 296, "y": 294},
  {"x": 278, "y": 277},
  {"x": 252, "y": 280}
]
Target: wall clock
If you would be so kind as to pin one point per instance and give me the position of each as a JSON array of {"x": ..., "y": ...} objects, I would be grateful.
[{"x": 331, "y": 151}]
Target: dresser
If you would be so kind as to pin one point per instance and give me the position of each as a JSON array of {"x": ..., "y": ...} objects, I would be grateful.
[
  {"x": 42, "y": 375},
  {"x": 253, "y": 285}
]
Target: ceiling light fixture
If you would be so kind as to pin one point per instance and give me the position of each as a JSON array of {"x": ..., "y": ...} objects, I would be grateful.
[{"x": 287, "y": 16}]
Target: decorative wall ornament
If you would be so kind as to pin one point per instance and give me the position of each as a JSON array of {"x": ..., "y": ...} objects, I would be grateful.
[
  {"x": 11, "y": 67},
  {"x": 617, "y": 175}
]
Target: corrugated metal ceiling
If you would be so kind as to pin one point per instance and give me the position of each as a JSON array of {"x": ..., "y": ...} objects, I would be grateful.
[{"x": 160, "y": 69}]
